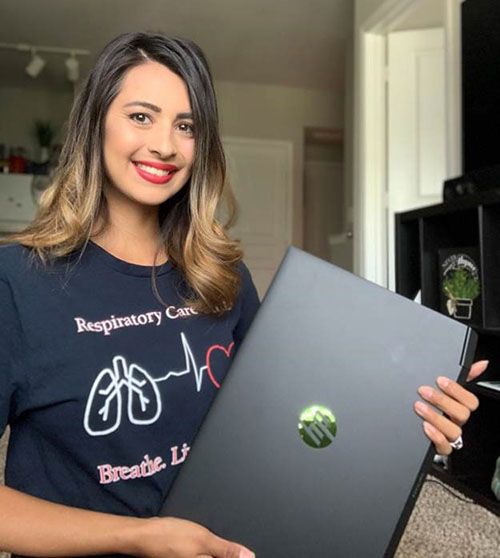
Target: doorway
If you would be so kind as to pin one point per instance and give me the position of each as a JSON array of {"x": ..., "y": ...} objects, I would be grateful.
[
  {"x": 324, "y": 211},
  {"x": 372, "y": 196}
]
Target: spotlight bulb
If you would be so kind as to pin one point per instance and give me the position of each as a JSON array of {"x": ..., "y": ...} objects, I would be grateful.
[
  {"x": 35, "y": 65},
  {"x": 72, "y": 68}
]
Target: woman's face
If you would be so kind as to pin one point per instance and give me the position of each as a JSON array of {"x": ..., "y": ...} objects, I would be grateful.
[{"x": 148, "y": 137}]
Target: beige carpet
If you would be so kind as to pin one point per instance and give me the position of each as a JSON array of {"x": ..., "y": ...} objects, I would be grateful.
[{"x": 440, "y": 526}]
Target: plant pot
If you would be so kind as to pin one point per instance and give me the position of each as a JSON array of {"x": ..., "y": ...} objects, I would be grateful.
[{"x": 464, "y": 309}]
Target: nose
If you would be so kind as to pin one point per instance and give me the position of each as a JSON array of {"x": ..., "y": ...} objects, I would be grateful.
[{"x": 162, "y": 143}]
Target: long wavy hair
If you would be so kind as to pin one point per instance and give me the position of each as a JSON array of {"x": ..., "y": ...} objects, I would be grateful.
[{"x": 195, "y": 242}]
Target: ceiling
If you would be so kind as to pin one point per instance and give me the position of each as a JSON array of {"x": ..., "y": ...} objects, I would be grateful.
[
  {"x": 425, "y": 14},
  {"x": 298, "y": 43}
]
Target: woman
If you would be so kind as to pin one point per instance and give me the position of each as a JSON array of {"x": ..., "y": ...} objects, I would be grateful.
[{"x": 105, "y": 375}]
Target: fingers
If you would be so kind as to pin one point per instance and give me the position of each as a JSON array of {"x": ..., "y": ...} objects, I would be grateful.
[
  {"x": 453, "y": 400},
  {"x": 220, "y": 548},
  {"x": 449, "y": 429},
  {"x": 457, "y": 412},
  {"x": 439, "y": 440},
  {"x": 459, "y": 393},
  {"x": 477, "y": 369}
]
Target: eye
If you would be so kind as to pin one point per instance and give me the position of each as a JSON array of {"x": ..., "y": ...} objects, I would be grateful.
[
  {"x": 140, "y": 117},
  {"x": 187, "y": 128}
]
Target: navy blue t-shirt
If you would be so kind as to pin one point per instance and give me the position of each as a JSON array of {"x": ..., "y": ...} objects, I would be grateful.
[{"x": 105, "y": 388}]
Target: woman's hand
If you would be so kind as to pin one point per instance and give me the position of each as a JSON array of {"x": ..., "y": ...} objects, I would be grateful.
[
  {"x": 169, "y": 537},
  {"x": 455, "y": 402}
]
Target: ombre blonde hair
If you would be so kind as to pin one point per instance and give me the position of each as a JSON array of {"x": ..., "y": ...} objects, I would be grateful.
[{"x": 74, "y": 203}]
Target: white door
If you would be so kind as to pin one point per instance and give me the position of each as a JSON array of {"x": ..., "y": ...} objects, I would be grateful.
[
  {"x": 260, "y": 172},
  {"x": 416, "y": 165}
]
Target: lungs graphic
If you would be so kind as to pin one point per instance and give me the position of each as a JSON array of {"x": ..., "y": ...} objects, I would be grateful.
[
  {"x": 103, "y": 412},
  {"x": 144, "y": 401}
]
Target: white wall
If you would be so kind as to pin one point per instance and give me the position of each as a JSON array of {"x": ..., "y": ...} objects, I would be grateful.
[{"x": 280, "y": 113}]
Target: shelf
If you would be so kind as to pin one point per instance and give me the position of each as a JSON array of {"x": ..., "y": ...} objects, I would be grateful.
[
  {"x": 488, "y": 348},
  {"x": 408, "y": 259},
  {"x": 456, "y": 230},
  {"x": 484, "y": 391},
  {"x": 493, "y": 331},
  {"x": 490, "y": 262},
  {"x": 424, "y": 238},
  {"x": 423, "y": 233},
  {"x": 460, "y": 204}
]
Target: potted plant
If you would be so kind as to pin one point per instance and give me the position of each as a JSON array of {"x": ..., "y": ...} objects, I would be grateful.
[
  {"x": 45, "y": 134},
  {"x": 461, "y": 288}
]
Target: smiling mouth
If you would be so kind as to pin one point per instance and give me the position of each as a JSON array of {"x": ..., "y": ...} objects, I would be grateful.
[
  {"x": 155, "y": 175},
  {"x": 154, "y": 170}
]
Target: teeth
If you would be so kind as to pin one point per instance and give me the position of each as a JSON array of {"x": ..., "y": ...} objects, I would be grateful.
[{"x": 153, "y": 170}]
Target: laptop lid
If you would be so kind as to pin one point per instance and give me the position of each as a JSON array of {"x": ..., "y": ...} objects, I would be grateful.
[{"x": 312, "y": 447}]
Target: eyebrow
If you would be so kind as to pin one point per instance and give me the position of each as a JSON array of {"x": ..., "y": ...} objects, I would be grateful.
[{"x": 154, "y": 108}]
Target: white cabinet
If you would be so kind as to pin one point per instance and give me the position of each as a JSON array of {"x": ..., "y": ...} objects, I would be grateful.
[{"x": 18, "y": 201}]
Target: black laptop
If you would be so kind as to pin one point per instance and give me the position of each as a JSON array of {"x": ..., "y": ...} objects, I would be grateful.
[{"x": 312, "y": 448}]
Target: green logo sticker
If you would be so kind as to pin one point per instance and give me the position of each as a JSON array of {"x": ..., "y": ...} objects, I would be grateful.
[{"x": 317, "y": 426}]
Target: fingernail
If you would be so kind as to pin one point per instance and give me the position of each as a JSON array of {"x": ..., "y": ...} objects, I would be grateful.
[
  {"x": 425, "y": 392},
  {"x": 244, "y": 553},
  {"x": 443, "y": 382},
  {"x": 484, "y": 364},
  {"x": 420, "y": 407}
]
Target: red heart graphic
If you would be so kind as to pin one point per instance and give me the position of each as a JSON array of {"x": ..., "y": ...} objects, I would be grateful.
[{"x": 227, "y": 352}]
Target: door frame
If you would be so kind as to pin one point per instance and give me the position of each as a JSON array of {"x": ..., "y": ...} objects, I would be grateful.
[{"x": 370, "y": 120}]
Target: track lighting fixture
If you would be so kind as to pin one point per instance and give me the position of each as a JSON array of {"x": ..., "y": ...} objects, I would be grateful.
[{"x": 37, "y": 63}]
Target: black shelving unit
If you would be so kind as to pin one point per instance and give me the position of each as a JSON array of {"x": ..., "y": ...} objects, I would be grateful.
[{"x": 469, "y": 222}]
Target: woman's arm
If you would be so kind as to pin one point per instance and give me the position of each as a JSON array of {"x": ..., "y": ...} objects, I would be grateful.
[{"x": 34, "y": 527}]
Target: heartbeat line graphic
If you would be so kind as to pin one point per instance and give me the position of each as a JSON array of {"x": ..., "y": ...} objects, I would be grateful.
[
  {"x": 103, "y": 411},
  {"x": 191, "y": 366}
]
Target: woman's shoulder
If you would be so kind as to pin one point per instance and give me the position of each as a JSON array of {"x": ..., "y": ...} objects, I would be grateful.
[
  {"x": 247, "y": 287},
  {"x": 243, "y": 269},
  {"x": 14, "y": 260},
  {"x": 246, "y": 275}
]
